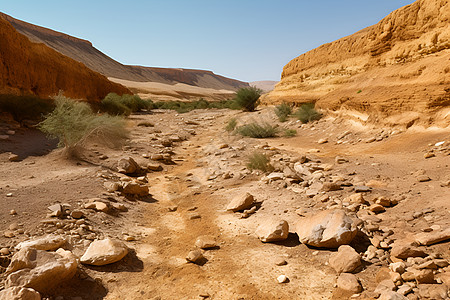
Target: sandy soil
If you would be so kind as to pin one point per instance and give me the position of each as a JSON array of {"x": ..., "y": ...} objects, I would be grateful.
[{"x": 241, "y": 267}]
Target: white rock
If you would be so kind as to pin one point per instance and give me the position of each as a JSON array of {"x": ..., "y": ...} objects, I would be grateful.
[
  {"x": 282, "y": 279},
  {"x": 273, "y": 230},
  {"x": 103, "y": 252},
  {"x": 329, "y": 229},
  {"x": 205, "y": 242},
  {"x": 40, "y": 270},
  {"x": 50, "y": 242},
  {"x": 275, "y": 176}
]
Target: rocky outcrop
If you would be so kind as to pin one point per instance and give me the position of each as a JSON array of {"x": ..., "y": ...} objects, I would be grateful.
[
  {"x": 28, "y": 68},
  {"x": 84, "y": 52},
  {"x": 398, "y": 66}
]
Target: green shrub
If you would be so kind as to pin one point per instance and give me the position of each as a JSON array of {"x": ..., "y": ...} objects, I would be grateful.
[
  {"x": 231, "y": 125},
  {"x": 259, "y": 161},
  {"x": 125, "y": 104},
  {"x": 248, "y": 98},
  {"x": 259, "y": 131},
  {"x": 187, "y": 106},
  {"x": 73, "y": 123},
  {"x": 283, "y": 111},
  {"x": 307, "y": 113},
  {"x": 290, "y": 132}
]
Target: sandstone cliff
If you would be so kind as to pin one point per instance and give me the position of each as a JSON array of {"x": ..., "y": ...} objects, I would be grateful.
[
  {"x": 400, "y": 66},
  {"x": 28, "y": 68},
  {"x": 83, "y": 51}
]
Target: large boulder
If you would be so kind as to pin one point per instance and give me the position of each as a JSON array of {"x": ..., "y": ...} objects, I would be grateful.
[
  {"x": 19, "y": 293},
  {"x": 50, "y": 242},
  {"x": 346, "y": 260},
  {"x": 103, "y": 252},
  {"x": 241, "y": 202},
  {"x": 40, "y": 270},
  {"x": 327, "y": 229},
  {"x": 273, "y": 230}
]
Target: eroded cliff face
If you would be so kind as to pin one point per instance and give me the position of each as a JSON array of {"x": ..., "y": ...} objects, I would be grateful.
[
  {"x": 400, "y": 66},
  {"x": 28, "y": 68},
  {"x": 84, "y": 52}
]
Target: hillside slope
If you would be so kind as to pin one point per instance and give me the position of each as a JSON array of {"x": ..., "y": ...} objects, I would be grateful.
[
  {"x": 84, "y": 52},
  {"x": 400, "y": 66},
  {"x": 28, "y": 68}
]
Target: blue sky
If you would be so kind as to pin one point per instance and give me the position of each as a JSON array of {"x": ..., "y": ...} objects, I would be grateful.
[{"x": 248, "y": 40}]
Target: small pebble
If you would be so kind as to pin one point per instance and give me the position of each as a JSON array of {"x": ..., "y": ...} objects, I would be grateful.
[{"x": 282, "y": 279}]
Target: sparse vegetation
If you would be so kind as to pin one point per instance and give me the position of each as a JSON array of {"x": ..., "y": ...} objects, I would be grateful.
[
  {"x": 73, "y": 123},
  {"x": 290, "y": 132},
  {"x": 231, "y": 125},
  {"x": 256, "y": 130},
  {"x": 283, "y": 111},
  {"x": 359, "y": 91},
  {"x": 307, "y": 113},
  {"x": 187, "y": 106},
  {"x": 259, "y": 161},
  {"x": 248, "y": 98},
  {"x": 125, "y": 104}
]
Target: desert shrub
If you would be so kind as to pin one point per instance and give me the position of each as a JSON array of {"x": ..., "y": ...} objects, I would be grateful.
[
  {"x": 256, "y": 130},
  {"x": 307, "y": 113},
  {"x": 231, "y": 125},
  {"x": 248, "y": 98},
  {"x": 73, "y": 123},
  {"x": 259, "y": 161},
  {"x": 26, "y": 107},
  {"x": 290, "y": 132},
  {"x": 283, "y": 111},
  {"x": 125, "y": 104},
  {"x": 187, "y": 106}
]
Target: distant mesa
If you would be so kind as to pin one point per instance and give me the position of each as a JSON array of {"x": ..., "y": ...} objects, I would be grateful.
[
  {"x": 265, "y": 85},
  {"x": 28, "y": 68},
  {"x": 83, "y": 51},
  {"x": 396, "y": 71}
]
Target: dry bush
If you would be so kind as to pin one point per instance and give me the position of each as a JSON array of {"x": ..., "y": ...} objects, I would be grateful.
[{"x": 73, "y": 124}]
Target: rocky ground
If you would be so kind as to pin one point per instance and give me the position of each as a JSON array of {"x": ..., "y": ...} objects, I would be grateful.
[{"x": 349, "y": 211}]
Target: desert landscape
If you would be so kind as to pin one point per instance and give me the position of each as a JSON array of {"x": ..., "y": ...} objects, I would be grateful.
[{"x": 335, "y": 186}]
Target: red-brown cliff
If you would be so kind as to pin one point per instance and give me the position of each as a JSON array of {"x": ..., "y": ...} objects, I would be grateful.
[{"x": 32, "y": 68}]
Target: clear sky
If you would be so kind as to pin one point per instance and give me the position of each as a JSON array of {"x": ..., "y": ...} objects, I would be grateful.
[{"x": 248, "y": 40}]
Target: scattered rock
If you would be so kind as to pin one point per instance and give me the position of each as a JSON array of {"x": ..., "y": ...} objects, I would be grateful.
[
  {"x": 77, "y": 214},
  {"x": 40, "y": 270},
  {"x": 195, "y": 257},
  {"x": 275, "y": 176},
  {"x": 111, "y": 186},
  {"x": 47, "y": 243},
  {"x": 98, "y": 206},
  {"x": 279, "y": 261},
  {"x": 241, "y": 202},
  {"x": 205, "y": 242},
  {"x": 322, "y": 141},
  {"x": 273, "y": 230},
  {"x": 398, "y": 267},
  {"x": 385, "y": 286},
  {"x": 404, "y": 249},
  {"x": 340, "y": 160},
  {"x": 330, "y": 186},
  {"x": 346, "y": 260},
  {"x": 349, "y": 282},
  {"x": 424, "y": 275},
  {"x": 430, "y": 238},
  {"x": 362, "y": 189},
  {"x": 13, "y": 157},
  {"x": 429, "y": 155},
  {"x": 377, "y": 208},
  {"x": 19, "y": 293},
  {"x": 154, "y": 167},
  {"x": 103, "y": 252},
  {"x": 8, "y": 234},
  {"x": 391, "y": 295},
  {"x": 423, "y": 178},
  {"x": 134, "y": 188},
  {"x": 4, "y": 251},
  {"x": 282, "y": 279},
  {"x": 328, "y": 229},
  {"x": 127, "y": 166}
]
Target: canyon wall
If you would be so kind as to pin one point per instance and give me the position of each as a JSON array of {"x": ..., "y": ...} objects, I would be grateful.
[{"x": 400, "y": 66}]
